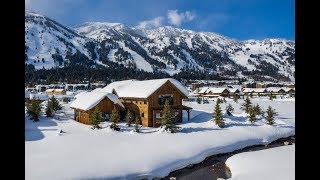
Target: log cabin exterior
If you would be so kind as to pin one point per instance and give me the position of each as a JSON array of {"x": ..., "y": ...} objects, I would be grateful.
[
  {"x": 83, "y": 106},
  {"x": 145, "y": 100}
]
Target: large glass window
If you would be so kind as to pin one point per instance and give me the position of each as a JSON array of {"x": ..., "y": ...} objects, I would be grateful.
[
  {"x": 163, "y": 97},
  {"x": 158, "y": 115}
]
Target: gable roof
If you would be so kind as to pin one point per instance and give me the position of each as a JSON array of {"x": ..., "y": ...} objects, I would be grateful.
[
  {"x": 203, "y": 90},
  {"x": 274, "y": 89},
  {"x": 216, "y": 90},
  {"x": 259, "y": 90},
  {"x": 233, "y": 90},
  {"x": 88, "y": 100},
  {"x": 141, "y": 89}
]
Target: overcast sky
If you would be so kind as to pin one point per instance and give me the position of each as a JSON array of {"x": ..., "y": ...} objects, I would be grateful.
[{"x": 239, "y": 19}]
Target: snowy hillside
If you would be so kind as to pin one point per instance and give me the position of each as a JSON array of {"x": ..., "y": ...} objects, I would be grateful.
[
  {"x": 166, "y": 49},
  {"x": 83, "y": 153}
]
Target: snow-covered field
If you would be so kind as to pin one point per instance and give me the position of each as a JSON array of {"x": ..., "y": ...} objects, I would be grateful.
[
  {"x": 82, "y": 153},
  {"x": 275, "y": 163}
]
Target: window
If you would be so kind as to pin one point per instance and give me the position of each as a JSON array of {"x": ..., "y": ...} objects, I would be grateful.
[
  {"x": 145, "y": 102},
  {"x": 163, "y": 97},
  {"x": 158, "y": 115},
  {"x": 176, "y": 114},
  {"x": 142, "y": 114}
]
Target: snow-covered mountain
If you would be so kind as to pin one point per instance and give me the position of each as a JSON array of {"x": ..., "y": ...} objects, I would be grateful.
[{"x": 172, "y": 50}]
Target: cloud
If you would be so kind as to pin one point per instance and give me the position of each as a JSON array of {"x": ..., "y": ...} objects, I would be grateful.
[
  {"x": 156, "y": 22},
  {"x": 177, "y": 19},
  {"x": 213, "y": 21}
]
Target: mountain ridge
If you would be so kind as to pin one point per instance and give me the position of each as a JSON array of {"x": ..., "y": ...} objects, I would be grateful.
[{"x": 167, "y": 49}]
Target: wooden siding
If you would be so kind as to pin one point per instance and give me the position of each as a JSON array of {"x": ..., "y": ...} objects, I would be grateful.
[{"x": 105, "y": 106}]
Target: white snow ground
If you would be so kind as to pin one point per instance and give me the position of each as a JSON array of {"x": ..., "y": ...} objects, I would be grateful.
[
  {"x": 275, "y": 163},
  {"x": 83, "y": 153}
]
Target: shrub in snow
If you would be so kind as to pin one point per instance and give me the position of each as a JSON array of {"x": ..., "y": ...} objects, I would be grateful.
[
  {"x": 235, "y": 98},
  {"x": 129, "y": 118},
  {"x": 34, "y": 109},
  {"x": 168, "y": 120},
  {"x": 224, "y": 100},
  {"x": 229, "y": 110},
  {"x": 219, "y": 100},
  {"x": 115, "y": 118},
  {"x": 199, "y": 100},
  {"x": 205, "y": 101},
  {"x": 136, "y": 124},
  {"x": 246, "y": 105},
  {"x": 217, "y": 116},
  {"x": 271, "y": 96},
  {"x": 252, "y": 115},
  {"x": 270, "y": 115},
  {"x": 52, "y": 106},
  {"x": 95, "y": 118},
  {"x": 251, "y": 95}
]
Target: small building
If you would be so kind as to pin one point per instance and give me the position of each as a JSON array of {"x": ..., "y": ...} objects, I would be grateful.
[
  {"x": 275, "y": 90},
  {"x": 217, "y": 91},
  {"x": 85, "y": 104},
  {"x": 289, "y": 90},
  {"x": 55, "y": 91},
  {"x": 258, "y": 91},
  {"x": 234, "y": 91}
]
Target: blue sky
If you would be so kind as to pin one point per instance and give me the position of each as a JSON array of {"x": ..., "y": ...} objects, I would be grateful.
[{"x": 239, "y": 19}]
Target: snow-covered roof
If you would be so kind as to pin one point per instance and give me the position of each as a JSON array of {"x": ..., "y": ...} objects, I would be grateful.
[
  {"x": 216, "y": 90},
  {"x": 49, "y": 90},
  {"x": 274, "y": 89},
  {"x": 288, "y": 89},
  {"x": 247, "y": 90},
  {"x": 96, "y": 90},
  {"x": 89, "y": 100},
  {"x": 58, "y": 90},
  {"x": 141, "y": 89},
  {"x": 259, "y": 90},
  {"x": 203, "y": 90},
  {"x": 80, "y": 94},
  {"x": 233, "y": 90}
]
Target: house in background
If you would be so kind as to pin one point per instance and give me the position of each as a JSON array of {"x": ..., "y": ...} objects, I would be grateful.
[
  {"x": 85, "y": 104},
  {"x": 55, "y": 91},
  {"x": 217, "y": 91},
  {"x": 234, "y": 91}
]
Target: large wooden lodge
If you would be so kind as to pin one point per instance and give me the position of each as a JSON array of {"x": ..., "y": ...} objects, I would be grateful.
[{"x": 145, "y": 99}]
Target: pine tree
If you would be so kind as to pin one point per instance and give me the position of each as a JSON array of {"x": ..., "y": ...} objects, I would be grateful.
[
  {"x": 257, "y": 109},
  {"x": 34, "y": 109},
  {"x": 114, "y": 118},
  {"x": 229, "y": 110},
  {"x": 270, "y": 115},
  {"x": 52, "y": 106},
  {"x": 246, "y": 105},
  {"x": 168, "y": 119},
  {"x": 136, "y": 124},
  {"x": 129, "y": 118},
  {"x": 219, "y": 100},
  {"x": 217, "y": 116},
  {"x": 96, "y": 118},
  {"x": 252, "y": 115}
]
